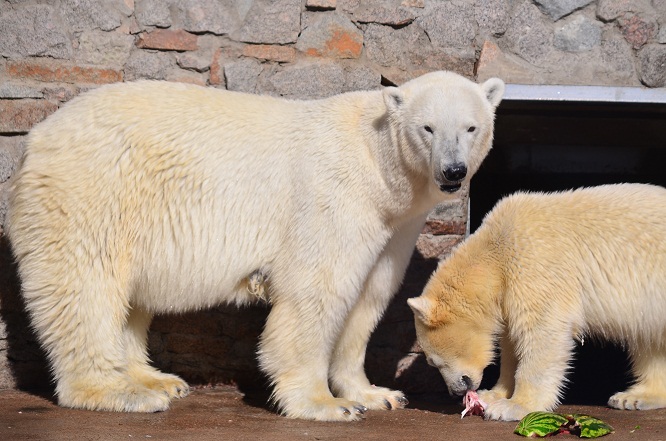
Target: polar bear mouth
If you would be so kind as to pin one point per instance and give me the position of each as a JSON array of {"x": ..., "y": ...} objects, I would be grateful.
[{"x": 450, "y": 188}]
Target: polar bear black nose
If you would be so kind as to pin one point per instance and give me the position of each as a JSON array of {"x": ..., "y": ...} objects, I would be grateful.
[
  {"x": 467, "y": 381},
  {"x": 456, "y": 172}
]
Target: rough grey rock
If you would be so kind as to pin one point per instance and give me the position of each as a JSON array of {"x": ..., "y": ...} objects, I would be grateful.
[
  {"x": 617, "y": 59},
  {"x": 243, "y": 75},
  {"x": 392, "y": 47},
  {"x": 361, "y": 78},
  {"x": 211, "y": 16},
  {"x": 308, "y": 80},
  {"x": 151, "y": 65},
  {"x": 83, "y": 15},
  {"x": 152, "y": 13},
  {"x": 557, "y": 9},
  {"x": 652, "y": 59},
  {"x": 449, "y": 24},
  {"x": 383, "y": 12},
  {"x": 11, "y": 150},
  {"x": 271, "y": 21},
  {"x": 15, "y": 90},
  {"x": 661, "y": 36},
  {"x": 104, "y": 48},
  {"x": 609, "y": 10},
  {"x": 323, "y": 36},
  {"x": 32, "y": 30},
  {"x": 578, "y": 35},
  {"x": 492, "y": 16},
  {"x": 529, "y": 35}
]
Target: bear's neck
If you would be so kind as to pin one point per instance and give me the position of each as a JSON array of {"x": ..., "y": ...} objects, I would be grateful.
[{"x": 402, "y": 187}]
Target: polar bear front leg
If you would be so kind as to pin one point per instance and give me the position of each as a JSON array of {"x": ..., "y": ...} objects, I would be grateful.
[
  {"x": 295, "y": 351},
  {"x": 543, "y": 356},
  {"x": 649, "y": 391},
  {"x": 347, "y": 372},
  {"x": 138, "y": 368},
  {"x": 506, "y": 382}
]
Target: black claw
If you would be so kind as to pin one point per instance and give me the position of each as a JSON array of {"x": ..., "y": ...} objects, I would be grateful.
[
  {"x": 360, "y": 409},
  {"x": 403, "y": 400},
  {"x": 345, "y": 411},
  {"x": 388, "y": 405}
]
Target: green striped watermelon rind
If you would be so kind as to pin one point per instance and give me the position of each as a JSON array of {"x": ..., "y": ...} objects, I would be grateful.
[
  {"x": 591, "y": 427},
  {"x": 540, "y": 424}
]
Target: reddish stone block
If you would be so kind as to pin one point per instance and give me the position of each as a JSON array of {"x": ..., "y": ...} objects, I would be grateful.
[
  {"x": 57, "y": 72},
  {"x": 637, "y": 30},
  {"x": 167, "y": 39},
  {"x": 436, "y": 247},
  {"x": 19, "y": 116},
  {"x": 216, "y": 74},
  {"x": 281, "y": 54},
  {"x": 440, "y": 227}
]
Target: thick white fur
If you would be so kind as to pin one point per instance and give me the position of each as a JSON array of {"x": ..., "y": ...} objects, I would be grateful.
[
  {"x": 156, "y": 197},
  {"x": 542, "y": 270}
]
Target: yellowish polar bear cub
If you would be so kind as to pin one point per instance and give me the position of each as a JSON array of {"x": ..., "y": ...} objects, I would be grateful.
[
  {"x": 155, "y": 197},
  {"x": 542, "y": 270}
]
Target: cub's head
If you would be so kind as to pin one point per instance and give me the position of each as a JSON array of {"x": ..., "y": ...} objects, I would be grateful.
[
  {"x": 447, "y": 121},
  {"x": 456, "y": 323}
]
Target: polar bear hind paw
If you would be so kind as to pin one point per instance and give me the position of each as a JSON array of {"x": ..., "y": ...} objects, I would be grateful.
[{"x": 630, "y": 400}]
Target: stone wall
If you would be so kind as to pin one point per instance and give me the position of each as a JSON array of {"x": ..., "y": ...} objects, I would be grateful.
[{"x": 52, "y": 50}]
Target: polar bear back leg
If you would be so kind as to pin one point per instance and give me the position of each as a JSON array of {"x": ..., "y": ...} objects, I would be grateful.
[{"x": 649, "y": 391}]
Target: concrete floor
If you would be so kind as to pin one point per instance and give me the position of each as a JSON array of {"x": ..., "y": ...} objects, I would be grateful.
[{"x": 223, "y": 413}]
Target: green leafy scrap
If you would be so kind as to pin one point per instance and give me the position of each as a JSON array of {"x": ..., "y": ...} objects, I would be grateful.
[{"x": 541, "y": 424}]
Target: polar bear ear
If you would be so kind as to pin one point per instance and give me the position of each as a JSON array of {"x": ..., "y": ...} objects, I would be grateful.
[
  {"x": 493, "y": 88},
  {"x": 421, "y": 307},
  {"x": 394, "y": 98}
]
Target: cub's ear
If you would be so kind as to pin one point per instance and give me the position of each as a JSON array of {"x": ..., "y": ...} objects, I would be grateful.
[
  {"x": 422, "y": 307},
  {"x": 394, "y": 99},
  {"x": 493, "y": 88}
]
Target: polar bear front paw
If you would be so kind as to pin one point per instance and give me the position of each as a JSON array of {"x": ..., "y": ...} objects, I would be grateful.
[
  {"x": 633, "y": 400},
  {"x": 505, "y": 409},
  {"x": 492, "y": 395},
  {"x": 118, "y": 396},
  {"x": 379, "y": 398},
  {"x": 169, "y": 384}
]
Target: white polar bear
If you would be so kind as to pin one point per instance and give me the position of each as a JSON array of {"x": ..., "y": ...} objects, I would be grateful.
[
  {"x": 154, "y": 197},
  {"x": 542, "y": 270}
]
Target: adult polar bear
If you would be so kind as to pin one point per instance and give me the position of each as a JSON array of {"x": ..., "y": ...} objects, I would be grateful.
[{"x": 155, "y": 197}]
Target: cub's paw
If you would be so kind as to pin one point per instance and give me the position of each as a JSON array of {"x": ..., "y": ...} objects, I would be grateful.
[
  {"x": 492, "y": 395},
  {"x": 632, "y": 400},
  {"x": 505, "y": 409},
  {"x": 379, "y": 398},
  {"x": 328, "y": 409}
]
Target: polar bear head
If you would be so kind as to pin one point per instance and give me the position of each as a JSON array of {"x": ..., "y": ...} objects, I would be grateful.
[
  {"x": 446, "y": 122},
  {"x": 457, "y": 318}
]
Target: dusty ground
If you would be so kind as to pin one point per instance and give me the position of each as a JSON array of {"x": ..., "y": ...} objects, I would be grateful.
[{"x": 223, "y": 413}]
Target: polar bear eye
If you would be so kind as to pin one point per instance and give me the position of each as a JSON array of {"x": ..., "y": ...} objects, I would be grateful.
[
  {"x": 471, "y": 129},
  {"x": 427, "y": 129}
]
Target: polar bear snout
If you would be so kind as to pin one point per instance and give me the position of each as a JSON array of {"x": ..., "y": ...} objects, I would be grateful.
[
  {"x": 456, "y": 172},
  {"x": 461, "y": 385},
  {"x": 451, "y": 177}
]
